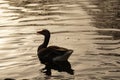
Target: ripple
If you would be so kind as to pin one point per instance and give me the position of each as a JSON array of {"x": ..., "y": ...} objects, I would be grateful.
[{"x": 88, "y": 27}]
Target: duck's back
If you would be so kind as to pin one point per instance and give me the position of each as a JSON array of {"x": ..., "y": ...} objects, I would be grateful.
[{"x": 58, "y": 50}]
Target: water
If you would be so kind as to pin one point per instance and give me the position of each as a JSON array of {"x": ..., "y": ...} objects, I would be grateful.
[{"x": 90, "y": 28}]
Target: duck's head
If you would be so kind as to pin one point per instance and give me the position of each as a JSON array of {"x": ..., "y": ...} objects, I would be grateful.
[{"x": 44, "y": 32}]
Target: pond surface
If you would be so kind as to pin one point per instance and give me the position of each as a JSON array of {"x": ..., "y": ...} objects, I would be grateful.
[{"x": 90, "y": 27}]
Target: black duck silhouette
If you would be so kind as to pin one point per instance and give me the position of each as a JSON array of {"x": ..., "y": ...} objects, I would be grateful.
[{"x": 53, "y": 57}]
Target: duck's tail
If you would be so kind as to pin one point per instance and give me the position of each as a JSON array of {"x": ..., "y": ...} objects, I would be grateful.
[{"x": 64, "y": 57}]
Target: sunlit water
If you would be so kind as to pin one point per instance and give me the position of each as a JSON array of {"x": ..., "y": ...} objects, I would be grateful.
[{"x": 89, "y": 27}]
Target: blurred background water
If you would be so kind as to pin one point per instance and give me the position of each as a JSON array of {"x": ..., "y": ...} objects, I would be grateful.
[{"x": 90, "y": 27}]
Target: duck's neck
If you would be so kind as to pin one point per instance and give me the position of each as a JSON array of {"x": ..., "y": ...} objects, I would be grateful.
[{"x": 46, "y": 41}]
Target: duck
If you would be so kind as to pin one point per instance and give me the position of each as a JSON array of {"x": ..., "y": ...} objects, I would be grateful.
[{"x": 53, "y": 57}]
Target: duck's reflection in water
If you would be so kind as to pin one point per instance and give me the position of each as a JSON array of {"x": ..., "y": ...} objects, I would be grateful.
[{"x": 60, "y": 66}]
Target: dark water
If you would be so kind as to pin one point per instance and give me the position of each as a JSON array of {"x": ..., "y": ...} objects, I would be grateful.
[{"x": 89, "y": 27}]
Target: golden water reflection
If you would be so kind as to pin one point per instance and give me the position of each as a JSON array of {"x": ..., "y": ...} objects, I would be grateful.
[{"x": 88, "y": 27}]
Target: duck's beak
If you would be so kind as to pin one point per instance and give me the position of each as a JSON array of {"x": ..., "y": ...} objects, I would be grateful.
[{"x": 39, "y": 32}]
